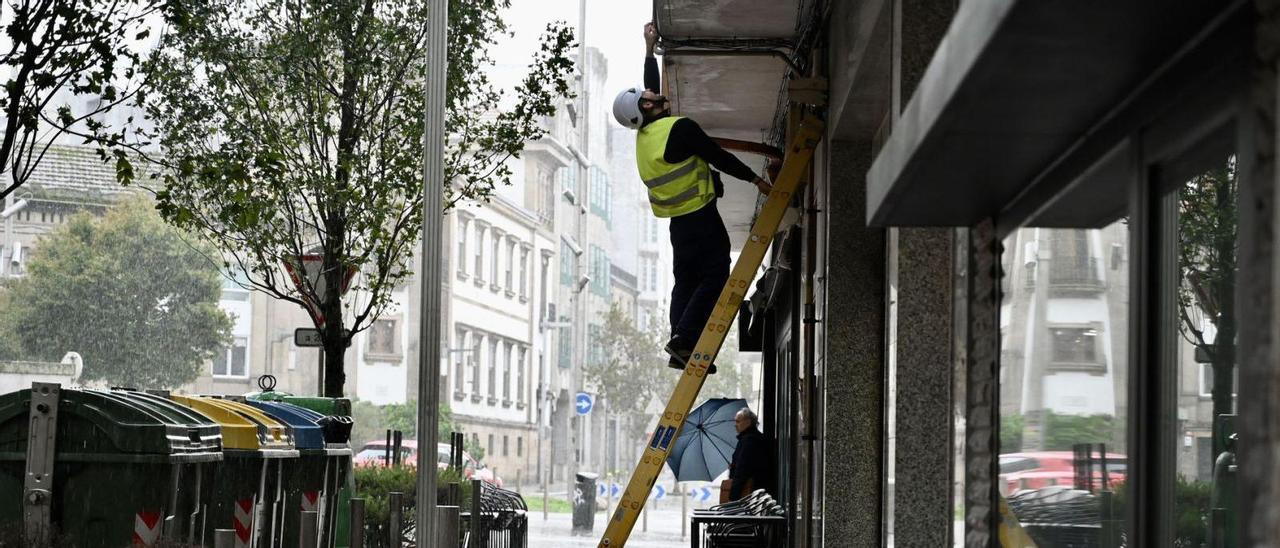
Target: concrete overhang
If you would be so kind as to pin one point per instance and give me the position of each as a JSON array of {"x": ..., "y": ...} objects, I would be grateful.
[
  {"x": 720, "y": 69},
  {"x": 1015, "y": 87}
]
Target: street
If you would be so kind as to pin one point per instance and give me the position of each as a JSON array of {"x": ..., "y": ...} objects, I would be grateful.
[{"x": 554, "y": 532}]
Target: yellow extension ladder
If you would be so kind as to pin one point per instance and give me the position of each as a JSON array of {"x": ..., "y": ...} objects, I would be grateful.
[{"x": 794, "y": 171}]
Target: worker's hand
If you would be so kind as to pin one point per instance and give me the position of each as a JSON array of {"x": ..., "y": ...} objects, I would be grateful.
[
  {"x": 650, "y": 36},
  {"x": 763, "y": 185}
]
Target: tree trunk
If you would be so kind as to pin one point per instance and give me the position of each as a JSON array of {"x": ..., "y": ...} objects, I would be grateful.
[
  {"x": 335, "y": 213},
  {"x": 1224, "y": 342},
  {"x": 335, "y": 344}
]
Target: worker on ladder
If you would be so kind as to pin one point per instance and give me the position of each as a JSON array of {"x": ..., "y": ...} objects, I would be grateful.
[{"x": 675, "y": 157}]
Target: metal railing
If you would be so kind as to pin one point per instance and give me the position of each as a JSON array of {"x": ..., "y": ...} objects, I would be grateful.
[{"x": 497, "y": 518}]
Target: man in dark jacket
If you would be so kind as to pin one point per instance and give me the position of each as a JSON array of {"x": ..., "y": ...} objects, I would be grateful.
[
  {"x": 675, "y": 156},
  {"x": 750, "y": 466}
]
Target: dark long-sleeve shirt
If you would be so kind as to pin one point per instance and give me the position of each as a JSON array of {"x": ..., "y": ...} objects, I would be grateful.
[
  {"x": 688, "y": 139},
  {"x": 750, "y": 462}
]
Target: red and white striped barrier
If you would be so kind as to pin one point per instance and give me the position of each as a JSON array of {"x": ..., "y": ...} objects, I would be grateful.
[
  {"x": 244, "y": 522},
  {"x": 311, "y": 501},
  {"x": 146, "y": 528}
]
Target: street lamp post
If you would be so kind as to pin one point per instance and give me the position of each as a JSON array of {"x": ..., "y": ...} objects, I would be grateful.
[{"x": 432, "y": 229}]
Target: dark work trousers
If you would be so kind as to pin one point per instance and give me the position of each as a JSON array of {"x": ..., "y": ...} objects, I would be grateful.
[{"x": 700, "y": 246}]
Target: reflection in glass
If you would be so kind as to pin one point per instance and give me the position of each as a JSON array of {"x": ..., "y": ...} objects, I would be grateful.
[
  {"x": 1063, "y": 371},
  {"x": 1205, "y": 356}
]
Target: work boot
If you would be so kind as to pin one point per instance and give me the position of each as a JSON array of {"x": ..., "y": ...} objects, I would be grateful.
[{"x": 681, "y": 349}]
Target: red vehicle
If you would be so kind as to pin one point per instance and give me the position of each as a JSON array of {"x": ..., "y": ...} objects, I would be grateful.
[
  {"x": 375, "y": 453},
  {"x": 1040, "y": 469}
]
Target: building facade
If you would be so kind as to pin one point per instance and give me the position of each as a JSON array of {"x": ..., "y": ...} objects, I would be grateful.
[{"x": 1034, "y": 249}]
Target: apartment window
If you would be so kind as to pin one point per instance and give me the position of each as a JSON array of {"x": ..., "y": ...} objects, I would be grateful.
[
  {"x": 505, "y": 440},
  {"x": 511, "y": 261},
  {"x": 648, "y": 273},
  {"x": 599, "y": 271},
  {"x": 493, "y": 368},
  {"x": 519, "y": 446},
  {"x": 479, "y": 264},
  {"x": 477, "y": 344},
  {"x": 566, "y": 346},
  {"x": 569, "y": 181},
  {"x": 595, "y": 350},
  {"x": 491, "y": 451},
  {"x": 463, "y": 228},
  {"x": 382, "y": 338},
  {"x": 233, "y": 362},
  {"x": 507, "y": 358},
  {"x": 524, "y": 272},
  {"x": 1071, "y": 263},
  {"x": 568, "y": 264},
  {"x": 497, "y": 250},
  {"x": 459, "y": 359},
  {"x": 1206, "y": 380},
  {"x": 600, "y": 191},
  {"x": 652, "y": 231},
  {"x": 521, "y": 365},
  {"x": 1075, "y": 347},
  {"x": 547, "y": 204}
]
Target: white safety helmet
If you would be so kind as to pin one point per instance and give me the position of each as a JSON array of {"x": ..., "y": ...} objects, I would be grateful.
[{"x": 626, "y": 107}]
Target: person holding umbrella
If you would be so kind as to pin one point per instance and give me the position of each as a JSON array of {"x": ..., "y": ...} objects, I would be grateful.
[{"x": 749, "y": 467}]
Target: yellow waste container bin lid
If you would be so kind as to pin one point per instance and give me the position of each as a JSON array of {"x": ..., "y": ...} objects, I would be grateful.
[{"x": 243, "y": 426}]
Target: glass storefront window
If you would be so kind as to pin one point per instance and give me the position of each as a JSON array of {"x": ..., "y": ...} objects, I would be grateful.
[
  {"x": 1063, "y": 381},
  {"x": 1201, "y": 348}
]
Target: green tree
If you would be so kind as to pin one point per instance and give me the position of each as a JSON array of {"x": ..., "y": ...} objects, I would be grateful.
[
  {"x": 1207, "y": 230},
  {"x": 731, "y": 379},
  {"x": 373, "y": 421},
  {"x": 128, "y": 292},
  {"x": 64, "y": 50},
  {"x": 10, "y": 345},
  {"x": 1062, "y": 432},
  {"x": 631, "y": 371},
  {"x": 292, "y": 127}
]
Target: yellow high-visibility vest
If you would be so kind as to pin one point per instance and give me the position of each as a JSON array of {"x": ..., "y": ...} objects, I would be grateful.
[{"x": 674, "y": 189}]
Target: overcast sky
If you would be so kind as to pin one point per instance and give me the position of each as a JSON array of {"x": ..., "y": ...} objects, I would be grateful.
[{"x": 613, "y": 26}]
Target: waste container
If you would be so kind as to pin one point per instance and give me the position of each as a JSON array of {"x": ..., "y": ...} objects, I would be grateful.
[
  {"x": 584, "y": 503},
  {"x": 95, "y": 469},
  {"x": 337, "y": 425},
  {"x": 193, "y": 498},
  {"x": 312, "y": 482},
  {"x": 245, "y": 489}
]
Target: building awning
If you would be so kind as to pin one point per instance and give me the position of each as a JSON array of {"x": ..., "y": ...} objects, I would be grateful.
[
  {"x": 1015, "y": 87},
  {"x": 720, "y": 69}
]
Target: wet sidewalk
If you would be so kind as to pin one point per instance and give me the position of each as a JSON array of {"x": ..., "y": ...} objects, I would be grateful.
[{"x": 664, "y": 530}]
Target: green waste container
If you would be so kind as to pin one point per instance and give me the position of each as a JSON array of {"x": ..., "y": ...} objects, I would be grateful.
[
  {"x": 245, "y": 488},
  {"x": 312, "y": 482},
  {"x": 337, "y": 426},
  {"x": 193, "y": 499},
  {"x": 105, "y": 471}
]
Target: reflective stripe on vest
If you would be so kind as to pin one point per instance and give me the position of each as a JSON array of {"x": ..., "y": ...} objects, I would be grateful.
[{"x": 674, "y": 189}]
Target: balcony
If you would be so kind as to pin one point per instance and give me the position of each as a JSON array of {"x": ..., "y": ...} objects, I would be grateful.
[{"x": 1070, "y": 275}]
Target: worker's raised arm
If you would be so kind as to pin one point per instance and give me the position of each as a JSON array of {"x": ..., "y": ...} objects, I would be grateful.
[
  {"x": 688, "y": 138},
  {"x": 652, "y": 81}
]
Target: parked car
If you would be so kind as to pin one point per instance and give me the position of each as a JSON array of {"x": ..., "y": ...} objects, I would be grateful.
[
  {"x": 375, "y": 453},
  {"x": 1039, "y": 469}
]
